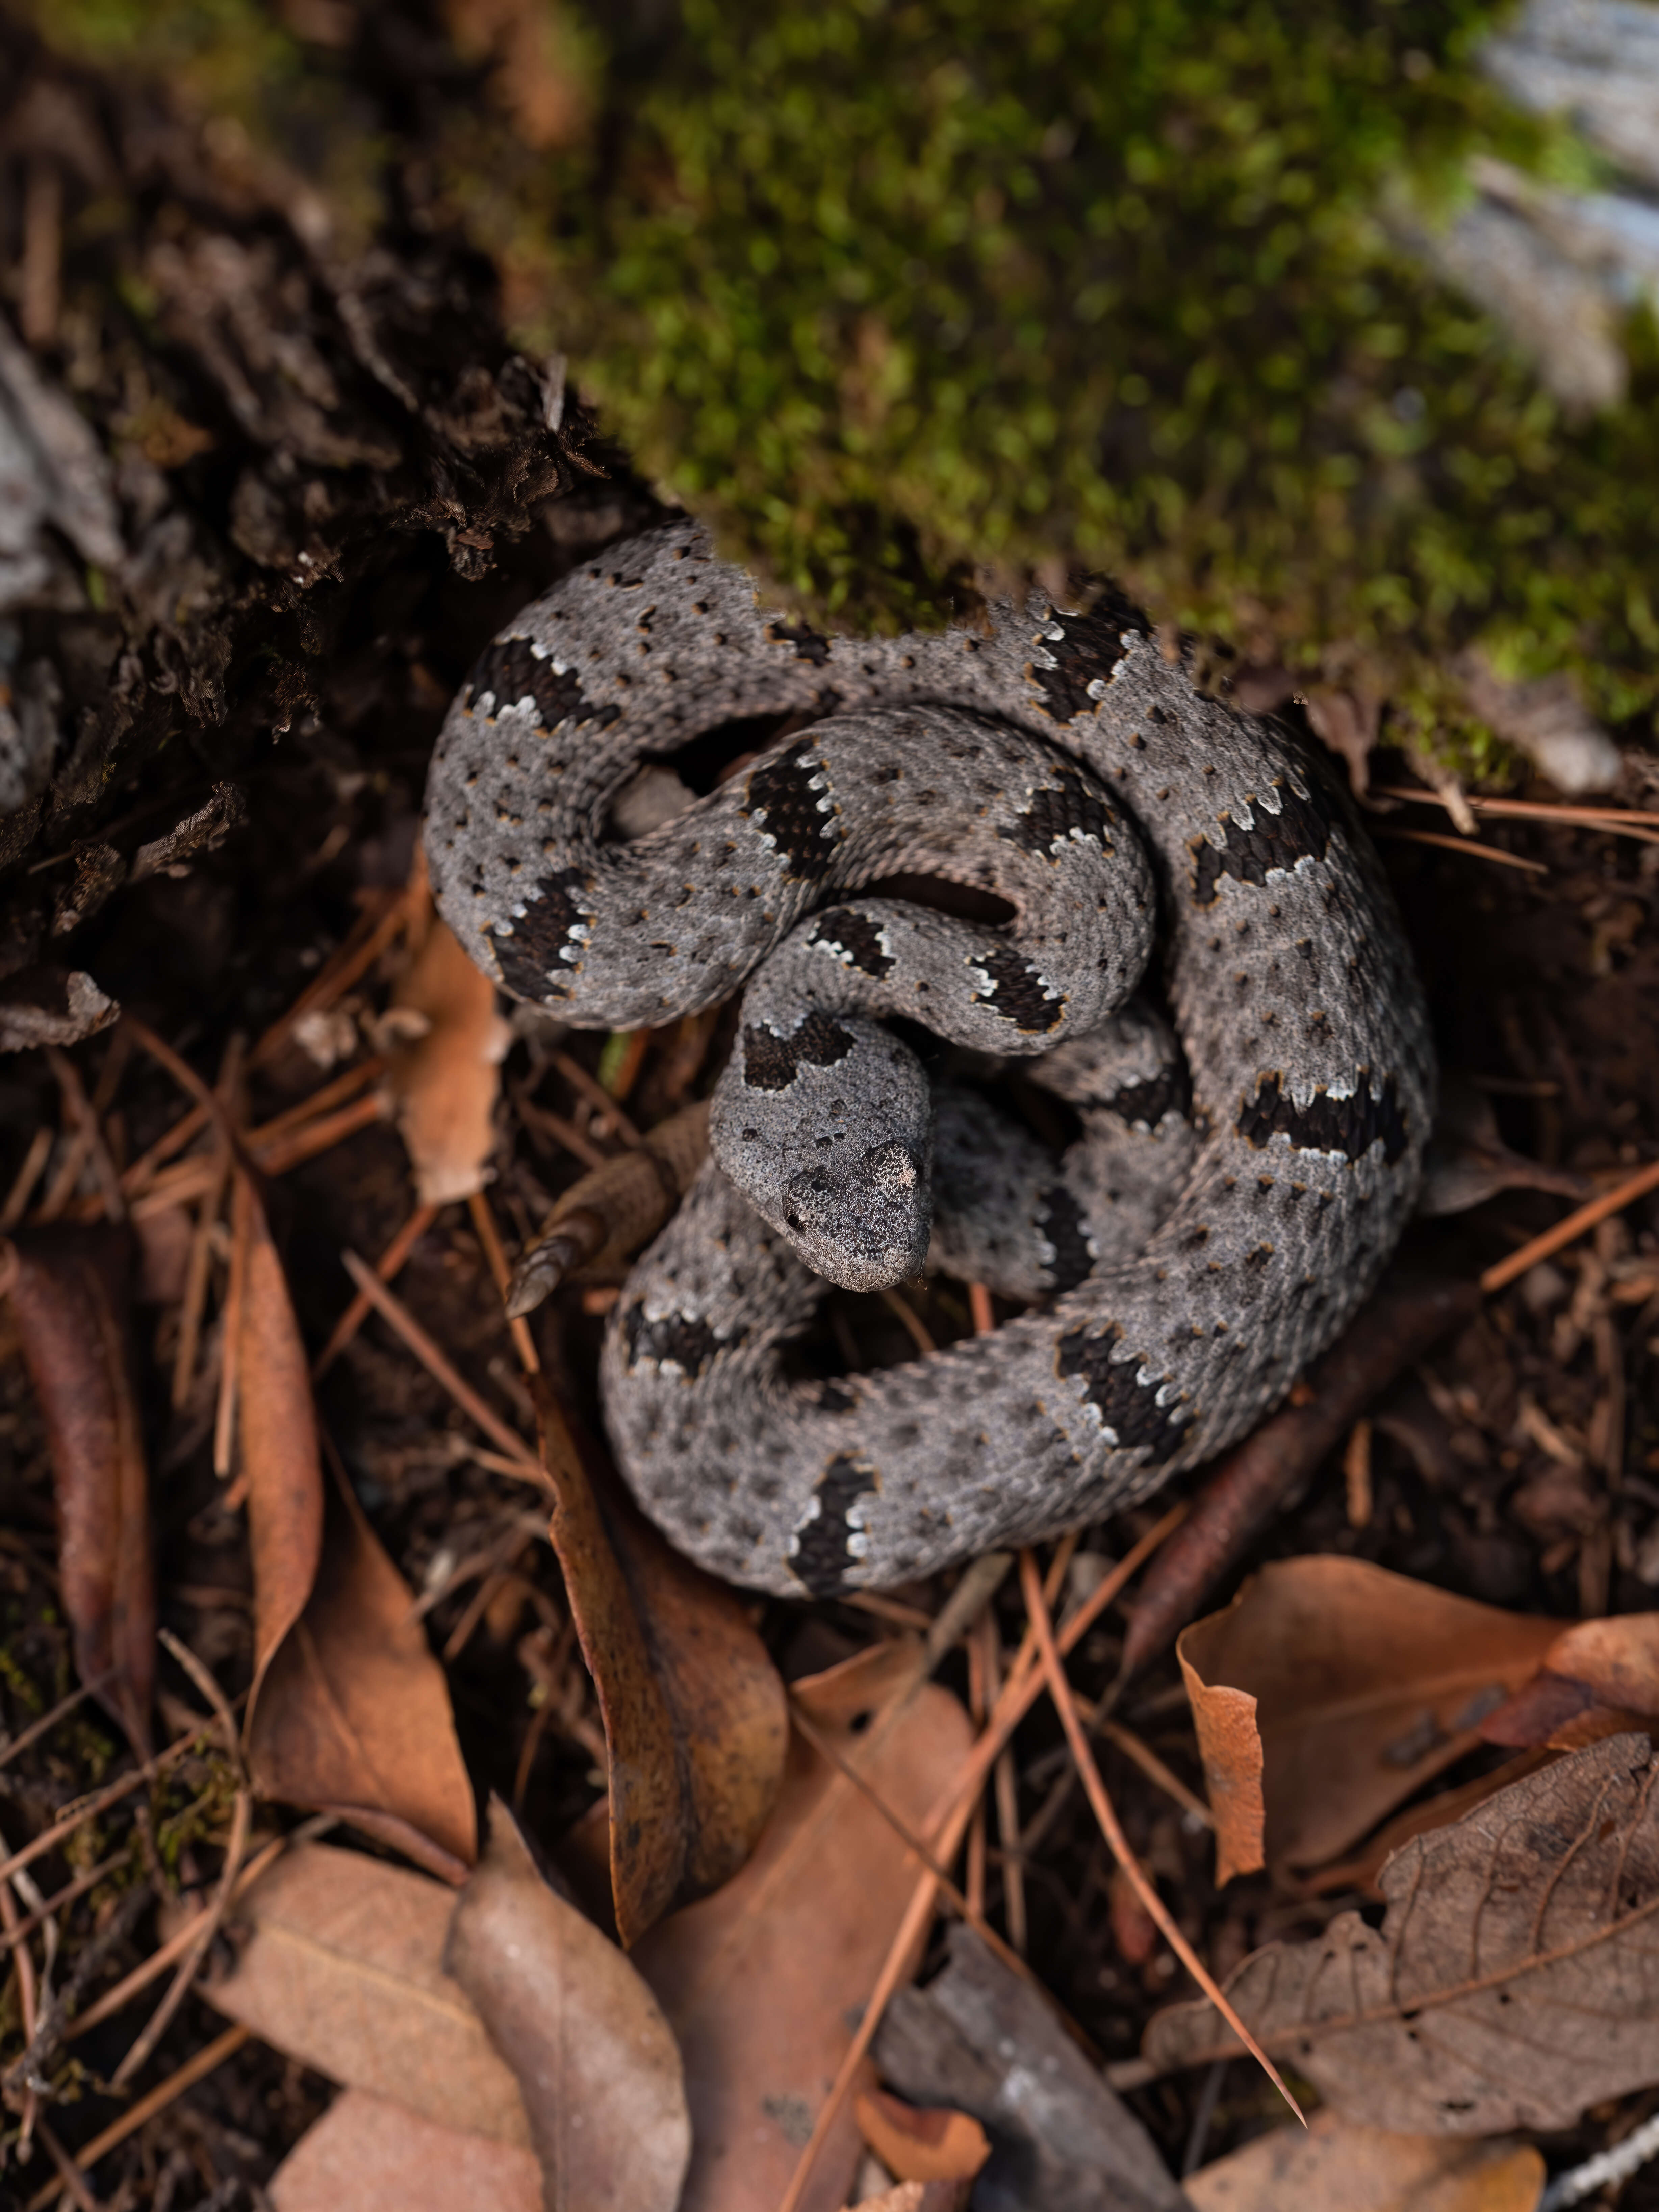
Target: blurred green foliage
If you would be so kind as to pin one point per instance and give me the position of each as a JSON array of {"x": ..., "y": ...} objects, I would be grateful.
[{"x": 888, "y": 289}]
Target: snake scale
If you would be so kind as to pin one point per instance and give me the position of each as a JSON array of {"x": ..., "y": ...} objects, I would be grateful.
[{"x": 1252, "y": 1142}]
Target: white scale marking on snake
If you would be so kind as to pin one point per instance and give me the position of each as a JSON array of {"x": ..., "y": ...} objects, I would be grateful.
[{"x": 1242, "y": 1175}]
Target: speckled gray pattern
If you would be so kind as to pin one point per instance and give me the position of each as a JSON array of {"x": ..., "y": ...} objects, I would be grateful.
[{"x": 1282, "y": 964}]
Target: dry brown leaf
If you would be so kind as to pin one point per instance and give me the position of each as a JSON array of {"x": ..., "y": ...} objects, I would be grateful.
[
  {"x": 762, "y": 1981},
  {"x": 1513, "y": 1981},
  {"x": 444, "y": 1043},
  {"x": 1333, "y": 2162},
  {"x": 353, "y": 1716},
  {"x": 1330, "y": 1690},
  {"x": 695, "y": 1722},
  {"x": 597, "y": 2063},
  {"x": 70, "y": 1295},
  {"x": 921, "y": 2143},
  {"x": 368, "y": 2155},
  {"x": 341, "y": 1966},
  {"x": 1599, "y": 1678},
  {"x": 280, "y": 1461},
  {"x": 348, "y": 1710}
]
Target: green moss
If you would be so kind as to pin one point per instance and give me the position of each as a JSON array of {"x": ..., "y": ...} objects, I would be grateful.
[{"x": 891, "y": 290}]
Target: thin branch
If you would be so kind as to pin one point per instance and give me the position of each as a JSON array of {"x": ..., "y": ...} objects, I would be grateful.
[
  {"x": 1611, "y": 1201},
  {"x": 159, "y": 2098}
]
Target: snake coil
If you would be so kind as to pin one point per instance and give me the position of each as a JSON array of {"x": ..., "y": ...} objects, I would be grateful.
[{"x": 1250, "y": 1151}]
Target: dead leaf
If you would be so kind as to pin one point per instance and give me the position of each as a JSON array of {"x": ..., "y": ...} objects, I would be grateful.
[
  {"x": 353, "y": 1716},
  {"x": 349, "y": 1711},
  {"x": 695, "y": 1723},
  {"x": 444, "y": 1043},
  {"x": 981, "y": 2038},
  {"x": 280, "y": 1461},
  {"x": 1599, "y": 1678},
  {"x": 368, "y": 2155},
  {"x": 1513, "y": 1981},
  {"x": 341, "y": 1966},
  {"x": 921, "y": 2143},
  {"x": 595, "y": 2062},
  {"x": 762, "y": 1982},
  {"x": 70, "y": 1295},
  {"x": 920, "y": 2197},
  {"x": 1329, "y": 1692},
  {"x": 1337, "y": 2162}
]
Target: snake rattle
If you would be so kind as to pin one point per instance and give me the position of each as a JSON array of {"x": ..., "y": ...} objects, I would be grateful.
[{"x": 1246, "y": 1165}]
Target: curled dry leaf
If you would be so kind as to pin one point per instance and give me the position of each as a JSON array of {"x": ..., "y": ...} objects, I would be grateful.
[
  {"x": 762, "y": 1981},
  {"x": 1599, "y": 1678},
  {"x": 70, "y": 1293},
  {"x": 348, "y": 1711},
  {"x": 695, "y": 1724},
  {"x": 921, "y": 2143},
  {"x": 340, "y": 1965},
  {"x": 444, "y": 1044},
  {"x": 370, "y": 2155},
  {"x": 1513, "y": 1981},
  {"x": 1329, "y": 1692},
  {"x": 1337, "y": 2162},
  {"x": 596, "y": 2062}
]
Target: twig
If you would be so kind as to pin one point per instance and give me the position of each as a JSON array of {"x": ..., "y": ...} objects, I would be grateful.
[
  {"x": 539, "y": 1119},
  {"x": 159, "y": 2098},
  {"x": 362, "y": 949},
  {"x": 1537, "y": 809},
  {"x": 87, "y": 1143},
  {"x": 320, "y": 1101},
  {"x": 1450, "y": 844},
  {"x": 196, "y": 1273},
  {"x": 1060, "y": 1689},
  {"x": 979, "y": 1308},
  {"x": 73, "y": 2180},
  {"x": 293, "y": 1149},
  {"x": 209, "y": 1689},
  {"x": 87, "y": 1808},
  {"x": 156, "y": 2027},
  {"x": 920, "y": 1334},
  {"x": 61, "y": 1897},
  {"x": 1611, "y": 1201},
  {"x": 230, "y": 1348},
  {"x": 391, "y": 1263},
  {"x": 22, "y": 1189},
  {"x": 483, "y": 1223},
  {"x": 391, "y": 1310}
]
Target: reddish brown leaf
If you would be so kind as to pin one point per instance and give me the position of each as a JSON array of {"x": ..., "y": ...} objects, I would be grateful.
[
  {"x": 696, "y": 1724},
  {"x": 444, "y": 1044},
  {"x": 280, "y": 1464},
  {"x": 921, "y": 2143},
  {"x": 596, "y": 2062},
  {"x": 1599, "y": 1678},
  {"x": 762, "y": 1982},
  {"x": 339, "y": 1963},
  {"x": 1329, "y": 1692},
  {"x": 353, "y": 1716},
  {"x": 368, "y": 2155},
  {"x": 349, "y": 1711},
  {"x": 70, "y": 1296},
  {"x": 1333, "y": 2162},
  {"x": 1399, "y": 1325}
]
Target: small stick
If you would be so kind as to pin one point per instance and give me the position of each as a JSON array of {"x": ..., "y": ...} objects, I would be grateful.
[
  {"x": 484, "y": 1222},
  {"x": 159, "y": 2098},
  {"x": 87, "y": 1808},
  {"x": 920, "y": 1334},
  {"x": 392, "y": 1309},
  {"x": 1061, "y": 1689},
  {"x": 536, "y": 1116},
  {"x": 389, "y": 1265},
  {"x": 61, "y": 1897},
  {"x": 1535, "y": 810},
  {"x": 73, "y": 2180},
  {"x": 87, "y": 1143},
  {"x": 321, "y": 1135},
  {"x": 1450, "y": 844},
  {"x": 22, "y": 1189},
  {"x": 331, "y": 1095},
  {"x": 979, "y": 1306},
  {"x": 140, "y": 1175},
  {"x": 1611, "y": 1201},
  {"x": 362, "y": 949},
  {"x": 195, "y": 1274}
]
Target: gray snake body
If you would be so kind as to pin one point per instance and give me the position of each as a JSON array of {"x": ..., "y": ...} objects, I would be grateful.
[{"x": 1197, "y": 1256}]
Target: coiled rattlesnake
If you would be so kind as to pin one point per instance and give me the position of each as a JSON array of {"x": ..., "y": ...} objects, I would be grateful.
[{"x": 1240, "y": 1183}]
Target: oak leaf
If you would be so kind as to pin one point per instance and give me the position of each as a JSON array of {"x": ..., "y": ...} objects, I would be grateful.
[
  {"x": 1333, "y": 2161},
  {"x": 372, "y": 2155}
]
